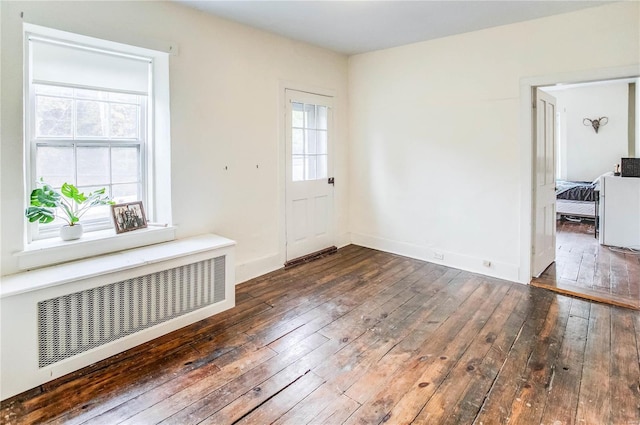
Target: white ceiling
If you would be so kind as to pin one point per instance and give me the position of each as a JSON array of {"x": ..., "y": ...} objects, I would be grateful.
[{"x": 353, "y": 27}]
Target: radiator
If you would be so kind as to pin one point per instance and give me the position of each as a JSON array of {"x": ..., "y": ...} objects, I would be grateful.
[
  {"x": 62, "y": 318},
  {"x": 74, "y": 323}
]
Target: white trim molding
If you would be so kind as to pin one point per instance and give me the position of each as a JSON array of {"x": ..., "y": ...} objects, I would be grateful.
[
  {"x": 495, "y": 269},
  {"x": 54, "y": 251}
]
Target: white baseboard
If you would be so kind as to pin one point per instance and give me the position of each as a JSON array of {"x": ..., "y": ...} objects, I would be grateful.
[
  {"x": 496, "y": 269},
  {"x": 343, "y": 240},
  {"x": 260, "y": 266},
  {"x": 252, "y": 269}
]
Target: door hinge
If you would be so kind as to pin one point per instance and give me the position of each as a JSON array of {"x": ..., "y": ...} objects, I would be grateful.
[{"x": 331, "y": 180}]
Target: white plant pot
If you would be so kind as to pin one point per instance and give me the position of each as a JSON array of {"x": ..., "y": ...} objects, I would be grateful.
[{"x": 69, "y": 233}]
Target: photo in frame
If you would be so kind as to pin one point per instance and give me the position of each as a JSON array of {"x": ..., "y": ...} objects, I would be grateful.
[{"x": 129, "y": 216}]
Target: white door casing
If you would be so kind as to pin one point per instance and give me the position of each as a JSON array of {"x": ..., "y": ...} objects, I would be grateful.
[
  {"x": 544, "y": 196},
  {"x": 309, "y": 165}
]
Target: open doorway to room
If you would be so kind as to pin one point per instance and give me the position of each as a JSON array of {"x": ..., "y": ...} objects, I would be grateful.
[{"x": 596, "y": 124}]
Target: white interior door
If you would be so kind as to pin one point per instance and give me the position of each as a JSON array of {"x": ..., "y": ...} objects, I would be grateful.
[
  {"x": 544, "y": 226},
  {"x": 308, "y": 192}
]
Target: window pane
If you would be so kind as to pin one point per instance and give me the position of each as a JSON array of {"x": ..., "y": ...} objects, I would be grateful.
[
  {"x": 321, "y": 142},
  {"x": 310, "y": 116},
  {"x": 297, "y": 115},
  {"x": 124, "y": 121},
  {"x": 298, "y": 168},
  {"x": 53, "y": 117},
  {"x": 322, "y": 117},
  {"x": 297, "y": 146},
  {"x": 310, "y": 162},
  {"x": 54, "y": 164},
  {"x": 321, "y": 171},
  {"x": 125, "y": 165},
  {"x": 95, "y": 213},
  {"x": 91, "y": 118},
  {"x": 122, "y": 193},
  {"x": 93, "y": 166},
  {"x": 310, "y": 141},
  {"x": 53, "y": 90}
]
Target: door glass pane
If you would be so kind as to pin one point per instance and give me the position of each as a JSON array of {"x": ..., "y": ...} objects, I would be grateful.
[
  {"x": 297, "y": 115},
  {"x": 321, "y": 170},
  {"x": 309, "y": 144},
  {"x": 310, "y": 116},
  {"x": 53, "y": 117},
  {"x": 125, "y": 165},
  {"x": 91, "y": 118},
  {"x": 298, "y": 168},
  {"x": 310, "y": 163},
  {"x": 297, "y": 146},
  {"x": 322, "y": 118},
  {"x": 124, "y": 121},
  {"x": 93, "y": 166},
  {"x": 321, "y": 142},
  {"x": 55, "y": 165},
  {"x": 311, "y": 141}
]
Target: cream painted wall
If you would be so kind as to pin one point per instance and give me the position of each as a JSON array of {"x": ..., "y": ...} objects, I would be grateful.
[
  {"x": 435, "y": 132},
  {"x": 428, "y": 159},
  {"x": 587, "y": 155},
  {"x": 226, "y": 84}
]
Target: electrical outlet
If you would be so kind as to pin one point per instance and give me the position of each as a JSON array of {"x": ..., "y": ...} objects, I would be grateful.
[
  {"x": 486, "y": 263},
  {"x": 438, "y": 256}
]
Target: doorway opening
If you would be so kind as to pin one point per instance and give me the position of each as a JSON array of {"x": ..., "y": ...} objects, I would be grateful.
[{"x": 585, "y": 155}]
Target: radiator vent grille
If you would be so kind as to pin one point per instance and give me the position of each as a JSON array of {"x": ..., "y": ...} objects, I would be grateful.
[{"x": 74, "y": 323}]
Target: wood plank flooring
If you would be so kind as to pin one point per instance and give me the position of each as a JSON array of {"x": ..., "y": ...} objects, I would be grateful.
[
  {"x": 586, "y": 269},
  {"x": 365, "y": 337}
]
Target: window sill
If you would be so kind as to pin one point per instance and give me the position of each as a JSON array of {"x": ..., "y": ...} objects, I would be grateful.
[{"x": 54, "y": 251}]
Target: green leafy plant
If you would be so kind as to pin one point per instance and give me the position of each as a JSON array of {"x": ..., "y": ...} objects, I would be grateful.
[{"x": 45, "y": 202}]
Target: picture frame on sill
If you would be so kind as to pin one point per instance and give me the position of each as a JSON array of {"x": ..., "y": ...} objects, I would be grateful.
[{"x": 128, "y": 216}]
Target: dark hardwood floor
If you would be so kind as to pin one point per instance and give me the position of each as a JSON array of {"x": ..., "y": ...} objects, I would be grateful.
[
  {"x": 586, "y": 269},
  {"x": 365, "y": 337}
]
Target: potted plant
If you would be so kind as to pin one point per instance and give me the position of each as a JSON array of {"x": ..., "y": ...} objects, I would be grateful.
[{"x": 46, "y": 203}]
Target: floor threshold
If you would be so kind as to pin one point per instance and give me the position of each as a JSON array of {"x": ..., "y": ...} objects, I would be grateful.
[
  {"x": 585, "y": 294},
  {"x": 310, "y": 257}
]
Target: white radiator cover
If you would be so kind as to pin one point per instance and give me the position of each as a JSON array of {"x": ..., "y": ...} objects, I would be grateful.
[{"x": 60, "y": 325}]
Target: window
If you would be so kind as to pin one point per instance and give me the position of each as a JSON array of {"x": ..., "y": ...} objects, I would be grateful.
[
  {"x": 90, "y": 122},
  {"x": 92, "y": 139},
  {"x": 309, "y": 141}
]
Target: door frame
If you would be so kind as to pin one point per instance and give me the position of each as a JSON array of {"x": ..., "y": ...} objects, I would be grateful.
[
  {"x": 527, "y": 145},
  {"x": 283, "y": 86}
]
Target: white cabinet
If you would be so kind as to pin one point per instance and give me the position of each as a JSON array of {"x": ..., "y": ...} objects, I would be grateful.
[{"x": 620, "y": 211}]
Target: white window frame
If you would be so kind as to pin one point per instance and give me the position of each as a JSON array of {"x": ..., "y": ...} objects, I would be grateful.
[
  {"x": 157, "y": 161},
  {"x": 39, "y": 231}
]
